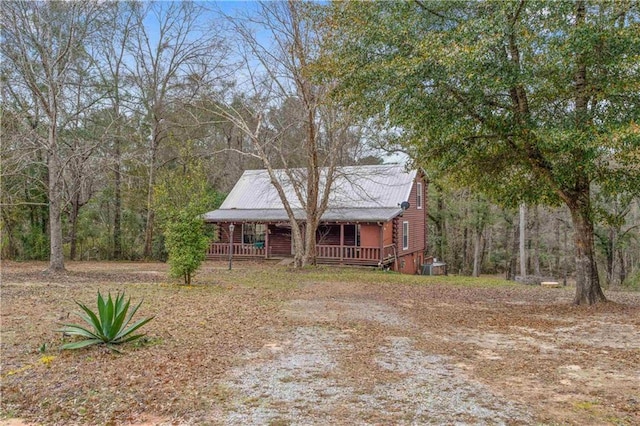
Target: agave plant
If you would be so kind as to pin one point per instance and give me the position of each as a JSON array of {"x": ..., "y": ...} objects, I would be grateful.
[{"x": 108, "y": 326}]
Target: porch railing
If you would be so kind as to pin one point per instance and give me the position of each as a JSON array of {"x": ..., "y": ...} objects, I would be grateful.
[
  {"x": 369, "y": 255},
  {"x": 348, "y": 253},
  {"x": 239, "y": 249}
]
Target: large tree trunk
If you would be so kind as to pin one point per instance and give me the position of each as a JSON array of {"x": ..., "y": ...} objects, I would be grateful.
[
  {"x": 310, "y": 243},
  {"x": 578, "y": 199},
  {"x": 588, "y": 290},
  {"x": 148, "y": 231},
  {"x": 56, "y": 257},
  {"x": 299, "y": 257}
]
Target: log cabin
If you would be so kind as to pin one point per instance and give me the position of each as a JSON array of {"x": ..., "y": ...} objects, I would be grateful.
[{"x": 376, "y": 216}]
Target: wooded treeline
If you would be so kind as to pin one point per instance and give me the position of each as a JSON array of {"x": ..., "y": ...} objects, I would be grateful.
[
  {"x": 106, "y": 105},
  {"x": 467, "y": 230}
]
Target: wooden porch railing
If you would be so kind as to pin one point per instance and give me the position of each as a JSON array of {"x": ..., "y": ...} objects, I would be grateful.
[
  {"x": 348, "y": 253},
  {"x": 239, "y": 249},
  {"x": 329, "y": 253}
]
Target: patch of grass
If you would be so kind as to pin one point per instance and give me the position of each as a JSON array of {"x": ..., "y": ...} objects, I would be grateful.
[
  {"x": 279, "y": 422},
  {"x": 8, "y": 414},
  {"x": 279, "y": 278},
  {"x": 203, "y": 332},
  {"x": 591, "y": 406},
  {"x": 287, "y": 379},
  {"x": 147, "y": 341},
  {"x": 222, "y": 393},
  {"x": 613, "y": 420}
]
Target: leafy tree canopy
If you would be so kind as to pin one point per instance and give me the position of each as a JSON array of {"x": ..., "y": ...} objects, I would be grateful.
[
  {"x": 491, "y": 92},
  {"x": 526, "y": 101}
]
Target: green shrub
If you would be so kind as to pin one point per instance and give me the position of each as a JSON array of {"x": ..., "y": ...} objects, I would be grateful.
[
  {"x": 186, "y": 243},
  {"x": 108, "y": 326}
]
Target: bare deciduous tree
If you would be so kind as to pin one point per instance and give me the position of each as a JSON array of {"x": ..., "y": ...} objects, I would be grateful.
[
  {"x": 42, "y": 42},
  {"x": 173, "y": 56},
  {"x": 292, "y": 129}
]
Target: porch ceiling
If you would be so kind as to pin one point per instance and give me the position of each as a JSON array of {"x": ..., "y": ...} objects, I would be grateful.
[{"x": 280, "y": 215}]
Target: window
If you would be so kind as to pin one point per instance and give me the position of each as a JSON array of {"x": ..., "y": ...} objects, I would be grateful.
[
  {"x": 419, "y": 195},
  {"x": 405, "y": 235},
  {"x": 253, "y": 233}
]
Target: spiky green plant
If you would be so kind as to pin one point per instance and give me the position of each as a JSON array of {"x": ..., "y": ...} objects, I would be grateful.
[{"x": 106, "y": 326}]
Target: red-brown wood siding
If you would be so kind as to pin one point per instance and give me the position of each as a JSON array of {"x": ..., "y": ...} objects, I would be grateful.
[
  {"x": 223, "y": 233},
  {"x": 410, "y": 263},
  {"x": 416, "y": 218},
  {"x": 425, "y": 206},
  {"x": 279, "y": 241},
  {"x": 388, "y": 233},
  {"x": 369, "y": 235}
]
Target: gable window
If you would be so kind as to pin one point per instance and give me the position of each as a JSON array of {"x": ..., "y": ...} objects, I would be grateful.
[
  {"x": 419, "y": 195},
  {"x": 405, "y": 235},
  {"x": 253, "y": 233}
]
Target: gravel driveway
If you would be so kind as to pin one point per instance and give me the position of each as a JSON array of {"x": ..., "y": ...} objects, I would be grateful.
[{"x": 304, "y": 377}]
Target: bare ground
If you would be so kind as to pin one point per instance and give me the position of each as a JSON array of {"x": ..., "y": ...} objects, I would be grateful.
[{"x": 267, "y": 345}]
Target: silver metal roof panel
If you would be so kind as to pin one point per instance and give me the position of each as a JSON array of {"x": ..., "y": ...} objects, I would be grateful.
[
  {"x": 280, "y": 215},
  {"x": 353, "y": 187}
]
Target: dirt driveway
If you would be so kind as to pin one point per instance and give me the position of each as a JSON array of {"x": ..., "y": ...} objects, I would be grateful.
[
  {"x": 332, "y": 347},
  {"x": 367, "y": 354}
]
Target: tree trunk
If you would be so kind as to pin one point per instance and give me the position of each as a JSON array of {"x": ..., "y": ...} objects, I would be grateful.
[
  {"x": 299, "y": 257},
  {"x": 513, "y": 250},
  {"x": 508, "y": 252},
  {"x": 610, "y": 256},
  {"x": 476, "y": 253},
  {"x": 623, "y": 267},
  {"x": 588, "y": 289},
  {"x": 578, "y": 198},
  {"x": 117, "y": 216},
  {"x": 440, "y": 228},
  {"x": 56, "y": 256},
  {"x": 310, "y": 244},
  {"x": 523, "y": 252},
  {"x": 556, "y": 249},
  {"x": 536, "y": 242},
  {"x": 148, "y": 231},
  {"x": 73, "y": 219}
]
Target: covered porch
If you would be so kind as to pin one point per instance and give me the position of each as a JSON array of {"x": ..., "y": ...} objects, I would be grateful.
[{"x": 337, "y": 243}]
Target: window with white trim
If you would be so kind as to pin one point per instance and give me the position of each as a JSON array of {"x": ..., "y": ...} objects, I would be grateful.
[
  {"x": 405, "y": 235},
  {"x": 419, "y": 195}
]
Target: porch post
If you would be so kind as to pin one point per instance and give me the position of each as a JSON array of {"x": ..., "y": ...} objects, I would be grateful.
[
  {"x": 341, "y": 241},
  {"x": 266, "y": 242},
  {"x": 231, "y": 227},
  {"x": 381, "y": 243}
]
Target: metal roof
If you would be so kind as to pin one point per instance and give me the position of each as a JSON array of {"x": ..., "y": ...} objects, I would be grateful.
[
  {"x": 358, "y": 193},
  {"x": 280, "y": 215}
]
